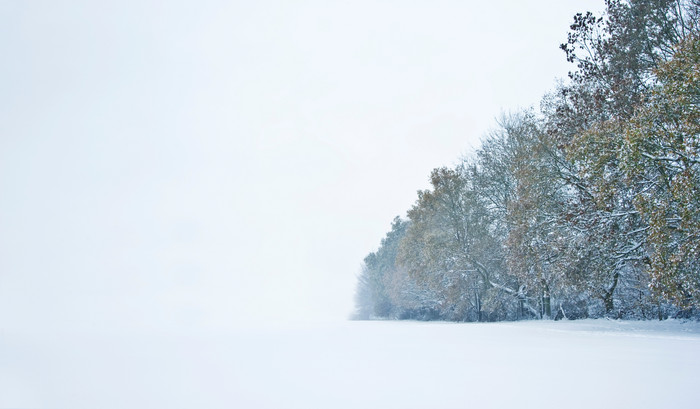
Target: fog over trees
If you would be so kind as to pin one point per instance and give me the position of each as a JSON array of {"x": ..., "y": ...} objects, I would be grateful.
[{"x": 586, "y": 207}]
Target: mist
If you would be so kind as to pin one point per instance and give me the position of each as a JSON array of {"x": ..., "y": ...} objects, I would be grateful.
[{"x": 183, "y": 165}]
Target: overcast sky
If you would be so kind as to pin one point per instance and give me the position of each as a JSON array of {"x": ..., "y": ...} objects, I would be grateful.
[{"x": 173, "y": 163}]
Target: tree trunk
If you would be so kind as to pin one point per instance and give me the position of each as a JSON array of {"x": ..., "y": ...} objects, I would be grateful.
[
  {"x": 607, "y": 295},
  {"x": 478, "y": 306},
  {"x": 608, "y": 302},
  {"x": 521, "y": 309},
  {"x": 546, "y": 301}
]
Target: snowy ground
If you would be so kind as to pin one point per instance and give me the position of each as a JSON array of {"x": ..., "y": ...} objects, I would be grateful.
[{"x": 585, "y": 364}]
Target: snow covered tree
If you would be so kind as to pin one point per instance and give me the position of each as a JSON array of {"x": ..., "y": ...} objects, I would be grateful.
[
  {"x": 452, "y": 249},
  {"x": 616, "y": 55},
  {"x": 588, "y": 208},
  {"x": 364, "y": 297},
  {"x": 377, "y": 272},
  {"x": 532, "y": 238},
  {"x": 662, "y": 162}
]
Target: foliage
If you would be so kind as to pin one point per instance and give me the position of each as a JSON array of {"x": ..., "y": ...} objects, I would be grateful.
[
  {"x": 589, "y": 207},
  {"x": 662, "y": 160}
]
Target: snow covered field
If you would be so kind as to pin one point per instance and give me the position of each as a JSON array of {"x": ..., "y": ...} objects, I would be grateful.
[{"x": 585, "y": 364}]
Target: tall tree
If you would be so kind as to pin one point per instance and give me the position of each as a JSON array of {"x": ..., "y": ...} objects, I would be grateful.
[
  {"x": 615, "y": 55},
  {"x": 377, "y": 272},
  {"x": 510, "y": 176},
  {"x": 662, "y": 161},
  {"x": 452, "y": 249}
]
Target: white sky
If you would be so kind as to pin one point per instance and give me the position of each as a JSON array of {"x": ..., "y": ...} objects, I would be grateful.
[{"x": 172, "y": 163}]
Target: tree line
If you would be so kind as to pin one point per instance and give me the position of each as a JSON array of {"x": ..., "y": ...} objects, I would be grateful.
[{"x": 586, "y": 207}]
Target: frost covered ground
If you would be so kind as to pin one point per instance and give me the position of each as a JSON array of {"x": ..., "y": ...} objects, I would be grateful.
[{"x": 582, "y": 364}]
